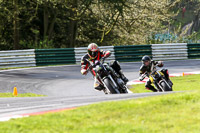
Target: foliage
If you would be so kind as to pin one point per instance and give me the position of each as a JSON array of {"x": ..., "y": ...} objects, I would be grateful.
[
  {"x": 72, "y": 23},
  {"x": 185, "y": 25}
]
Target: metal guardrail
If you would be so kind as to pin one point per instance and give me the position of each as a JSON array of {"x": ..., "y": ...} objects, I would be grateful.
[
  {"x": 58, "y": 56},
  {"x": 132, "y": 52},
  {"x": 44, "y": 57},
  {"x": 17, "y": 58},
  {"x": 169, "y": 51},
  {"x": 79, "y": 52},
  {"x": 193, "y": 50}
]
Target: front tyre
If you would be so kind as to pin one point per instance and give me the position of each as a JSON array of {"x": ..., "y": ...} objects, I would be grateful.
[
  {"x": 109, "y": 86},
  {"x": 165, "y": 86},
  {"x": 124, "y": 89}
]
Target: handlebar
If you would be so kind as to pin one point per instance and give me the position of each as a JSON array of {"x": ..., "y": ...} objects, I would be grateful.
[
  {"x": 143, "y": 76},
  {"x": 92, "y": 65}
]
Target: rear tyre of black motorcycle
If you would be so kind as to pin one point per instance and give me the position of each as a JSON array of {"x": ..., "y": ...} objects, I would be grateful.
[
  {"x": 109, "y": 86},
  {"x": 165, "y": 86},
  {"x": 124, "y": 90}
]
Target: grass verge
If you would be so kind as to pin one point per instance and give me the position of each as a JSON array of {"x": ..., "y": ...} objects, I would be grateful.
[
  {"x": 20, "y": 95},
  {"x": 169, "y": 113},
  {"x": 173, "y": 113}
]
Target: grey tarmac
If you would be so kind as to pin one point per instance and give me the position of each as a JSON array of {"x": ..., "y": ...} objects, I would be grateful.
[{"x": 65, "y": 87}]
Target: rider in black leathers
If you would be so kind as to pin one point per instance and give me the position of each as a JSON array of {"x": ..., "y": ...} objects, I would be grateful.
[{"x": 147, "y": 66}]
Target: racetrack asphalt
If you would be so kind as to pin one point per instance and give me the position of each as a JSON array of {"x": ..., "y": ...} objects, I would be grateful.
[{"x": 65, "y": 87}]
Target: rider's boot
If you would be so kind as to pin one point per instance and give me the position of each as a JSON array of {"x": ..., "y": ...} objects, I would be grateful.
[
  {"x": 151, "y": 88},
  {"x": 99, "y": 87}
]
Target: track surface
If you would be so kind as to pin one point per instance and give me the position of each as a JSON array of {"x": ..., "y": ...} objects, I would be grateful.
[{"x": 66, "y": 87}]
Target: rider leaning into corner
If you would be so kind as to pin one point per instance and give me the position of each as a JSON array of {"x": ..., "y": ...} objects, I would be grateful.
[
  {"x": 93, "y": 54},
  {"x": 148, "y": 66}
]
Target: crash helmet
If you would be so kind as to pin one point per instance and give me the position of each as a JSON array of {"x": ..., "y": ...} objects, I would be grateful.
[
  {"x": 93, "y": 50},
  {"x": 146, "y": 60}
]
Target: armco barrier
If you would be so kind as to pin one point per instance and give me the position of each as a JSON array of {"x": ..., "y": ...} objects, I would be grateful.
[
  {"x": 132, "y": 52},
  {"x": 55, "y": 56},
  {"x": 79, "y": 52},
  {"x": 17, "y": 58},
  {"x": 62, "y": 56},
  {"x": 193, "y": 50},
  {"x": 169, "y": 51}
]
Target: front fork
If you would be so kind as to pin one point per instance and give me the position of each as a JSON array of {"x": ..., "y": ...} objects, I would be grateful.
[
  {"x": 118, "y": 79},
  {"x": 111, "y": 79}
]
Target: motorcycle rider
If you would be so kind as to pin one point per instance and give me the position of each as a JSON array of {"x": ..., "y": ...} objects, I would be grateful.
[
  {"x": 93, "y": 54},
  {"x": 148, "y": 66}
]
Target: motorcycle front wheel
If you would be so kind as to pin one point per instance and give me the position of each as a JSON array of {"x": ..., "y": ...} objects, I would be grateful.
[
  {"x": 110, "y": 86},
  {"x": 165, "y": 86}
]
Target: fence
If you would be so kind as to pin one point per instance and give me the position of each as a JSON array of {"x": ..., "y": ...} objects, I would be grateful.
[
  {"x": 131, "y": 53},
  {"x": 17, "y": 58},
  {"x": 43, "y": 57},
  {"x": 169, "y": 51},
  {"x": 193, "y": 51},
  {"x": 54, "y": 56}
]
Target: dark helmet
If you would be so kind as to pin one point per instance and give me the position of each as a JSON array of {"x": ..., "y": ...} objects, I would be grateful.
[
  {"x": 146, "y": 58},
  {"x": 93, "y": 50}
]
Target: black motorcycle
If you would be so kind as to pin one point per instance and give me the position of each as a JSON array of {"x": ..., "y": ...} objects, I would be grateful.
[
  {"x": 158, "y": 78},
  {"x": 108, "y": 77}
]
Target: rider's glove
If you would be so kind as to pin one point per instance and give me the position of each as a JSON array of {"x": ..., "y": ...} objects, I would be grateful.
[
  {"x": 160, "y": 64},
  {"x": 83, "y": 71},
  {"x": 107, "y": 54}
]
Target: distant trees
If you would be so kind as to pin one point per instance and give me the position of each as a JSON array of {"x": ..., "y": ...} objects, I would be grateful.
[{"x": 72, "y": 23}]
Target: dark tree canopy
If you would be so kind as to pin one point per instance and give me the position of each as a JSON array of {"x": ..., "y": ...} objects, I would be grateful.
[{"x": 71, "y": 23}]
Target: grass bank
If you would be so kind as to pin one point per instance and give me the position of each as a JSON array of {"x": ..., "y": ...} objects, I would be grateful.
[{"x": 20, "y": 95}]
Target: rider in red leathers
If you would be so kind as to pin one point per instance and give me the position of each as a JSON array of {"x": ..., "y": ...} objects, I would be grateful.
[{"x": 93, "y": 54}]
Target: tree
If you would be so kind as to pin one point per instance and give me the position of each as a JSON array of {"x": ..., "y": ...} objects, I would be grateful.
[
  {"x": 73, "y": 23},
  {"x": 16, "y": 24}
]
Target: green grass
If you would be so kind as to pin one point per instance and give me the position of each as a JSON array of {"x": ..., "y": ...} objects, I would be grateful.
[
  {"x": 167, "y": 114},
  {"x": 188, "y": 82},
  {"x": 20, "y": 95},
  {"x": 174, "y": 113}
]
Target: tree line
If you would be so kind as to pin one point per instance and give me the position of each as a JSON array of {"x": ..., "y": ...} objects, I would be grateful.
[{"x": 72, "y": 23}]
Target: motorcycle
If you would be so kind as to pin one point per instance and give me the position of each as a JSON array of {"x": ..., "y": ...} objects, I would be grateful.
[
  {"x": 108, "y": 78},
  {"x": 159, "y": 80}
]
